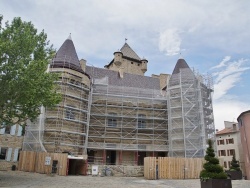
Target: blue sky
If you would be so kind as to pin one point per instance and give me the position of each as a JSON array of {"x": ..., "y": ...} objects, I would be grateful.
[{"x": 213, "y": 37}]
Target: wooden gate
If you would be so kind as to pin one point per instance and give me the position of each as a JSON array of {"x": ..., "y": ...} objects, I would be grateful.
[{"x": 172, "y": 168}]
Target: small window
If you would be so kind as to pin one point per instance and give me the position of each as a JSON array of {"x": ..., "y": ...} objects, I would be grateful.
[
  {"x": 230, "y": 141},
  {"x": 69, "y": 113},
  {"x": 222, "y": 153},
  {"x": 225, "y": 164},
  {"x": 220, "y": 142},
  {"x": 112, "y": 121},
  {"x": 7, "y": 129},
  {"x": 141, "y": 121},
  {"x": 230, "y": 152},
  {"x": 3, "y": 153},
  {"x": 132, "y": 62},
  {"x": 138, "y": 64}
]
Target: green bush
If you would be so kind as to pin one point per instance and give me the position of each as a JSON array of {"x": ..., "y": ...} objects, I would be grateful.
[
  {"x": 212, "y": 168},
  {"x": 234, "y": 165}
]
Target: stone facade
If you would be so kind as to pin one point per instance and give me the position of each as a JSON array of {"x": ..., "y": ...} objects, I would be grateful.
[
  {"x": 11, "y": 140},
  {"x": 128, "y": 61},
  {"x": 119, "y": 170},
  {"x": 121, "y": 116}
]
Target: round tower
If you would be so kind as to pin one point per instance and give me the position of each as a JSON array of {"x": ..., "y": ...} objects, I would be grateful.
[
  {"x": 118, "y": 58},
  {"x": 144, "y": 64}
]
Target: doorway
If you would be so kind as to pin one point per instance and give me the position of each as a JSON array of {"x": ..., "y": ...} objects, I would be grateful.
[
  {"x": 141, "y": 155},
  {"x": 111, "y": 157},
  {"x": 76, "y": 167}
]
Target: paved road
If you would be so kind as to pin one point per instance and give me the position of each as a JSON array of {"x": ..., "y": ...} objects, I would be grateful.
[{"x": 27, "y": 179}]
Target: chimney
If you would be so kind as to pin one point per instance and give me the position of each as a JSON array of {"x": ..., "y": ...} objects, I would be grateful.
[
  {"x": 121, "y": 72},
  {"x": 83, "y": 64},
  {"x": 234, "y": 127}
]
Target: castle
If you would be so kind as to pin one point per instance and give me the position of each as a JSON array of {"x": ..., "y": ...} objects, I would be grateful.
[{"x": 116, "y": 115}]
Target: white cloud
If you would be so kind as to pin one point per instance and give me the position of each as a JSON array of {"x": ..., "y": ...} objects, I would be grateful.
[
  {"x": 222, "y": 63},
  {"x": 170, "y": 42},
  {"x": 227, "y": 78},
  {"x": 224, "y": 85},
  {"x": 228, "y": 110},
  {"x": 226, "y": 107}
]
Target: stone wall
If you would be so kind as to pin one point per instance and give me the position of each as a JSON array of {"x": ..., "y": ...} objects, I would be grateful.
[
  {"x": 119, "y": 170},
  {"x": 12, "y": 141}
]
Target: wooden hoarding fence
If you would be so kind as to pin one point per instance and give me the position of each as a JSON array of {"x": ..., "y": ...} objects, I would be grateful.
[
  {"x": 172, "y": 168},
  {"x": 42, "y": 162}
]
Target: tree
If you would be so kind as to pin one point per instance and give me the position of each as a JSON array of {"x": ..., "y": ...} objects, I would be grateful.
[
  {"x": 234, "y": 165},
  {"x": 212, "y": 169},
  {"x": 25, "y": 85}
]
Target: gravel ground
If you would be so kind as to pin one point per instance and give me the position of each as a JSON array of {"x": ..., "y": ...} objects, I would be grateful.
[{"x": 27, "y": 179}]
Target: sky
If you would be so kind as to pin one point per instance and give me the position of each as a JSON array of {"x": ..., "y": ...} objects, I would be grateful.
[{"x": 212, "y": 36}]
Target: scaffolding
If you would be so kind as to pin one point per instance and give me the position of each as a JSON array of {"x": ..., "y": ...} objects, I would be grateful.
[
  {"x": 63, "y": 128},
  {"x": 127, "y": 119},
  {"x": 190, "y": 113},
  {"x": 34, "y": 134}
]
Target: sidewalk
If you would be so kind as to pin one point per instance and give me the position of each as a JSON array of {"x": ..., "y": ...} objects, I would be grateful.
[{"x": 27, "y": 179}]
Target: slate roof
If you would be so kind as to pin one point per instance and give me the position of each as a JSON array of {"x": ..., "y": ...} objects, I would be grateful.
[
  {"x": 128, "y": 52},
  {"x": 128, "y": 80},
  {"x": 67, "y": 52},
  {"x": 181, "y": 63},
  {"x": 66, "y": 57},
  {"x": 226, "y": 131}
]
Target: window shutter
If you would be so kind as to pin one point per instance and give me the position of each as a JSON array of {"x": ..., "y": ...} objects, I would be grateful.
[
  {"x": 15, "y": 154},
  {"x": 2, "y": 131},
  {"x": 13, "y": 130},
  {"x": 9, "y": 152},
  {"x": 20, "y": 128}
]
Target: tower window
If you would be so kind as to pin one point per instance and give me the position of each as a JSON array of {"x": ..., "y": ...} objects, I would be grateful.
[
  {"x": 112, "y": 121},
  {"x": 69, "y": 113},
  {"x": 141, "y": 121}
]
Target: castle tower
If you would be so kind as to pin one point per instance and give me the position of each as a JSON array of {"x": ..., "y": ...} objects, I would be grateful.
[
  {"x": 66, "y": 126},
  {"x": 190, "y": 112},
  {"x": 127, "y": 60}
]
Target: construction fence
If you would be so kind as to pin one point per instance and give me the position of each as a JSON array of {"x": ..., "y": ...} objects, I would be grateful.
[
  {"x": 42, "y": 162},
  {"x": 172, "y": 168}
]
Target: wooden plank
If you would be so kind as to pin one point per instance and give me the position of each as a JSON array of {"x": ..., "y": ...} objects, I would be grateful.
[{"x": 173, "y": 168}]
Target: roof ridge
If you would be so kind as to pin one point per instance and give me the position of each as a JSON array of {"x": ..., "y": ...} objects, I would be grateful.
[{"x": 129, "y": 52}]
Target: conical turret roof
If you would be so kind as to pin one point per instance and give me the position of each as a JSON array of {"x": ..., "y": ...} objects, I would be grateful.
[
  {"x": 67, "y": 53},
  {"x": 128, "y": 52},
  {"x": 181, "y": 64},
  {"x": 66, "y": 57}
]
